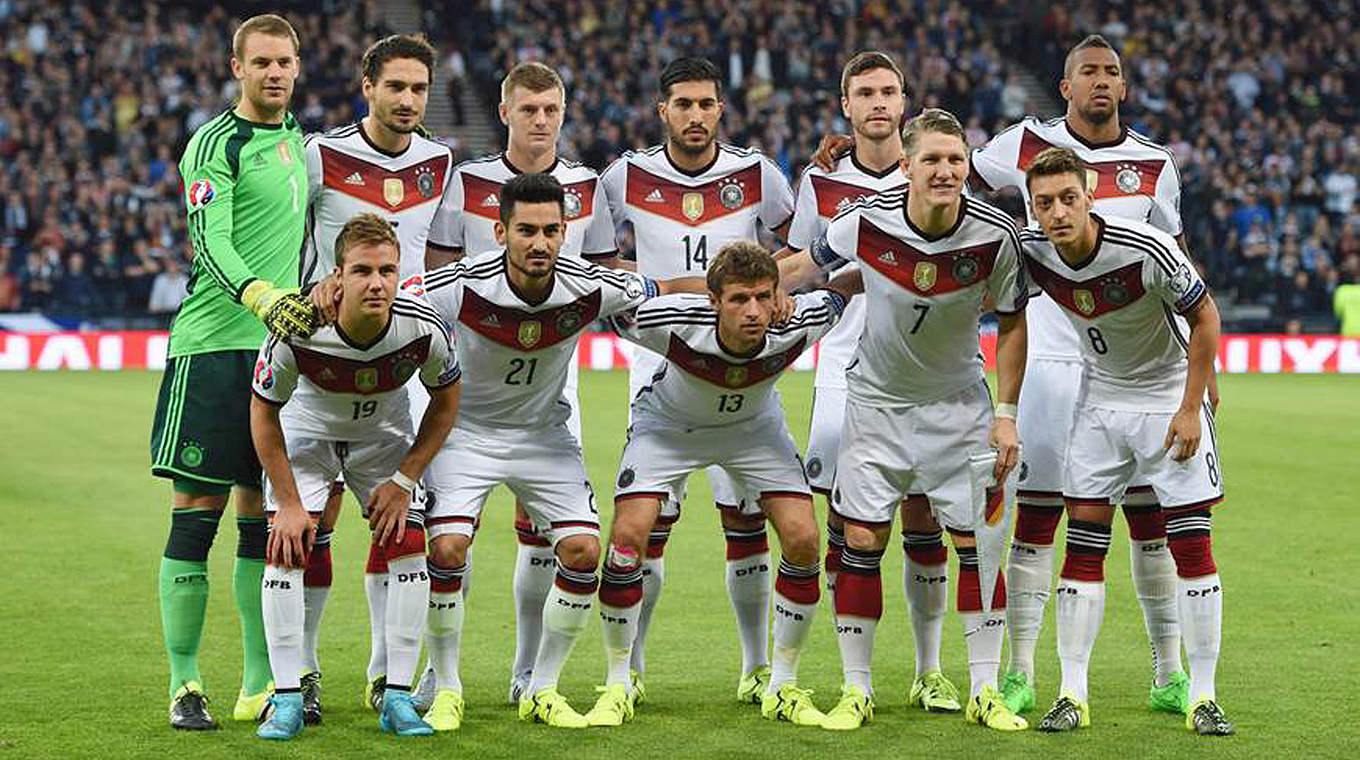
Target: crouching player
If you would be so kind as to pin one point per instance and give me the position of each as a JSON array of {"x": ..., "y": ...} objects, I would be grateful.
[
  {"x": 1141, "y": 412},
  {"x": 713, "y": 402},
  {"x": 350, "y": 415}
]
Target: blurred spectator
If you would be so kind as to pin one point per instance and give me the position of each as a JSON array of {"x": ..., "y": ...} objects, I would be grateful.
[
  {"x": 169, "y": 288},
  {"x": 38, "y": 280}
]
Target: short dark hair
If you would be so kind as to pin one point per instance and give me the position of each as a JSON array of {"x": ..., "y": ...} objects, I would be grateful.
[
  {"x": 534, "y": 187},
  {"x": 744, "y": 261},
  {"x": 396, "y": 46},
  {"x": 930, "y": 120},
  {"x": 1054, "y": 161},
  {"x": 1090, "y": 41},
  {"x": 364, "y": 229},
  {"x": 868, "y": 61},
  {"x": 690, "y": 69}
]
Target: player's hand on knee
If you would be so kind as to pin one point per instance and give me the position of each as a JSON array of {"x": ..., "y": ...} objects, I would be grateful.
[
  {"x": 387, "y": 512},
  {"x": 1006, "y": 440},
  {"x": 290, "y": 538},
  {"x": 1184, "y": 434},
  {"x": 830, "y": 150},
  {"x": 325, "y": 298}
]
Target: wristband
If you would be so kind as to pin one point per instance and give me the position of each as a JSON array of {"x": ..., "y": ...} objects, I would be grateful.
[
  {"x": 403, "y": 482},
  {"x": 1006, "y": 411}
]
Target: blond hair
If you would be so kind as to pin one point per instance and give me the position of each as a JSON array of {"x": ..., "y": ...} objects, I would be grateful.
[
  {"x": 532, "y": 76},
  {"x": 267, "y": 23},
  {"x": 930, "y": 120},
  {"x": 364, "y": 229}
]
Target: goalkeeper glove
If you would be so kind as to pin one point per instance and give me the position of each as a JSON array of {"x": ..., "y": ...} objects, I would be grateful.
[{"x": 284, "y": 311}]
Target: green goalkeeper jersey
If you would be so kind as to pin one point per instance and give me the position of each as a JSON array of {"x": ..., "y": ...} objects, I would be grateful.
[{"x": 245, "y": 190}]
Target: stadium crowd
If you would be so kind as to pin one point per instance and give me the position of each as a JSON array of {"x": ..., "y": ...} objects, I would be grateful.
[{"x": 1254, "y": 100}]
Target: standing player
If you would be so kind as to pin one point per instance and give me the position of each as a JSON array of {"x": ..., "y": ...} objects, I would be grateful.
[
  {"x": 685, "y": 198},
  {"x": 380, "y": 164},
  {"x": 245, "y": 193},
  {"x": 872, "y": 98},
  {"x": 350, "y": 415},
  {"x": 516, "y": 314},
  {"x": 713, "y": 402},
  {"x": 1133, "y": 178},
  {"x": 1141, "y": 411},
  {"x": 919, "y": 418},
  {"x": 533, "y": 103}
]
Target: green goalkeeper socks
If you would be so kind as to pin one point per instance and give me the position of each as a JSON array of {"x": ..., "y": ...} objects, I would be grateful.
[
  {"x": 246, "y": 580},
  {"x": 184, "y": 599}
]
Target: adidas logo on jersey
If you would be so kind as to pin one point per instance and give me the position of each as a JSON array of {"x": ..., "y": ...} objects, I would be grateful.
[
  {"x": 887, "y": 257},
  {"x": 654, "y": 197},
  {"x": 354, "y": 179},
  {"x": 491, "y": 320},
  {"x": 491, "y": 201}
]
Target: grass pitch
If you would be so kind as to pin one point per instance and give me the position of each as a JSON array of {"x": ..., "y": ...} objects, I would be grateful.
[{"x": 82, "y": 526}]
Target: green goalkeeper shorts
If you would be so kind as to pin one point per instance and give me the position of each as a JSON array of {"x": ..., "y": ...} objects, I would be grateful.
[{"x": 201, "y": 435}]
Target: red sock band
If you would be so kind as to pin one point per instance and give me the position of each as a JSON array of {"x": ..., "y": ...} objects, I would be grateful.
[
  {"x": 1145, "y": 523},
  {"x": 1036, "y": 524},
  {"x": 798, "y": 589},
  {"x": 318, "y": 572},
  {"x": 377, "y": 560}
]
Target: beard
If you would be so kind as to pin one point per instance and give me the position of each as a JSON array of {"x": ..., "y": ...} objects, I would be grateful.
[
  {"x": 1098, "y": 116},
  {"x": 678, "y": 140}
]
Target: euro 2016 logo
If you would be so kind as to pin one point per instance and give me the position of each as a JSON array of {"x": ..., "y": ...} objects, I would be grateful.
[{"x": 200, "y": 193}]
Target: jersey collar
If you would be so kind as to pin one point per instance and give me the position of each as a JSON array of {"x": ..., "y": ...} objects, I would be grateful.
[
  {"x": 390, "y": 154},
  {"x": 505, "y": 159},
  {"x": 505, "y": 272},
  {"x": 749, "y": 355},
  {"x": 364, "y": 346},
  {"x": 666, "y": 151},
  {"x": 1123, "y": 133},
  {"x": 1100, "y": 238},
  {"x": 897, "y": 167},
  {"x": 963, "y": 207}
]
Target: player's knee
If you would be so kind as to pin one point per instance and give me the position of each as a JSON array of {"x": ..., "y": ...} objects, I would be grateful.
[
  {"x": 863, "y": 538},
  {"x": 249, "y": 501},
  {"x": 1090, "y": 511},
  {"x": 449, "y": 550},
  {"x": 798, "y": 543},
  {"x": 191, "y": 534},
  {"x": 580, "y": 552},
  {"x": 630, "y": 538}
]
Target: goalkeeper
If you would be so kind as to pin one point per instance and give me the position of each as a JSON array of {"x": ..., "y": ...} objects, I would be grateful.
[{"x": 245, "y": 184}]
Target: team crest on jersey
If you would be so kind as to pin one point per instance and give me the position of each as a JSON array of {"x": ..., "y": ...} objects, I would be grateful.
[
  {"x": 200, "y": 193},
  {"x": 1092, "y": 179},
  {"x": 568, "y": 322},
  {"x": 366, "y": 379},
  {"x": 264, "y": 376},
  {"x": 736, "y": 376},
  {"x": 1085, "y": 301},
  {"x": 415, "y": 285},
  {"x": 1115, "y": 293},
  {"x": 965, "y": 269},
  {"x": 403, "y": 370},
  {"x": 1127, "y": 179},
  {"x": 530, "y": 331},
  {"x": 394, "y": 190},
  {"x": 571, "y": 204},
  {"x": 731, "y": 196},
  {"x": 692, "y": 205},
  {"x": 425, "y": 182},
  {"x": 924, "y": 275}
]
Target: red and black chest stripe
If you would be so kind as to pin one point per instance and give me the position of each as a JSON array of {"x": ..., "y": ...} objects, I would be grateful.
[
  {"x": 379, "y": 186},
  {"x": 1119, "y": 178},
  {"x": 381, "y": 374},
  {"x": 925, "y": 274},
  {"x": 482, "y": 197},
  {"x": 528, "y": 330},
  {"x": 1095, "y": 297},
  {"x": 727, "y": 374},
  {"x": 834, "y": 195},
  {"x": 694, "y": 205}
]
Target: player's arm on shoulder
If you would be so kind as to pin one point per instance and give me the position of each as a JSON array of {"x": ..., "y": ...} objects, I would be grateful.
[
  {"x": 847, "y": 283},
  {"x": 437, "y": 255}
]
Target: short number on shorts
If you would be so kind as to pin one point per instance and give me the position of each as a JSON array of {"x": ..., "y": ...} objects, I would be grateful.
[
  {"x": 521, "y": 371},
  {"x": 730, "y": 402},
  {"x": 921, "y": 309},
  {"x": 696, "y": 252},
  {"x": 364, "y": 409},
  {"x": 1097, "y": 340},
  {"x": 1213, "y": 467}
]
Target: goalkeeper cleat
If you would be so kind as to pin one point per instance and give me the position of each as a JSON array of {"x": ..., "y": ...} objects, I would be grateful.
[
  {"x": 519, "y": 683},
  {"x": 399, "y": 716},
  {"x": 990, "y": 710},
  {"x": 373, "y": 693},
  {"x": 791, "y": 704},
  {"x": 751, "y": 687},
  {"x": 285, "y": 719},
  {"x": 446, "y": 711},
  {"x": 638, "y": 690},
  {"x": 1066, "y": 714},
  {"x": 311, "y": 698},
  {"x": 1172, "y": 698},
  {"x": 854, "y": 709},
  {"x": 422, "y": 696},
  {"x": 551, "y": 708},
  {"x": 613, "y": 708},
  {"x": 1018, "y": 692},
  {"x": 1206, "y": 718},
  {"x": 189, "y": 709},
  {"x": 253, "y": 707},
  {"x": 933, "y": 692}
]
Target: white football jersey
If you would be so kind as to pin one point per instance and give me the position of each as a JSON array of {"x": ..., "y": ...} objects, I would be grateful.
[
  {"x": 1132, "y": 178},
  {"x": 821, "y": 196},
  {"x": 701, "y": 384},
  {"x": 348, "y": 175},
  {"x": 337, "y": 390},
  {"x": 1121, "y": 301},
  {"x": 923, "y": 295},
  {"x": 516, "y": 354},
  {"x": 682, "y": 219},
  {"x": 468, "y": 220}
]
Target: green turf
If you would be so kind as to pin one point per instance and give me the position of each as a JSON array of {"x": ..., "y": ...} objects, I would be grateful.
[{"x": 82, "y": 526}]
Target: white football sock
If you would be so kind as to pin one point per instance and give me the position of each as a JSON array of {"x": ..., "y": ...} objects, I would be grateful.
[
  {"x": 314, "y": 605},
  {"x": 983, "y": 633},
  {"x": 282, "y": 609},
  {"x": 375, "y": 591},
  {"x": 1029, "y": 575},
  {"x": 535, "y": 567},
  {"x": 750, "y": 590},
  {"x": 653, "y": 579},
  {"x": 927, "y": 590},
  {"x": 1154, "y": 580},
  {"x": 408, "y": 602},
  {"x": 1081, "y": 609},
  {"x": 792, "y": 624},
  {"x": 565, "y": 614},
  {"x": 444, "y": 628},
  {"x": 1200, "y": 602}
]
